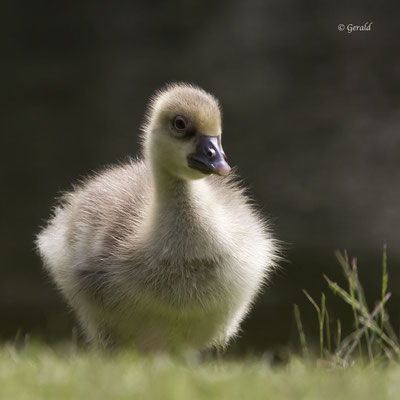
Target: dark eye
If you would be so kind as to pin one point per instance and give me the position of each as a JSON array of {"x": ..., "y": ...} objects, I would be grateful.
[{"x": 179, "y": 123}]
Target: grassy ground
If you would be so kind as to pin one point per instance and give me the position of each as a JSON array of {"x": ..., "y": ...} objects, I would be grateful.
[{"x": 39, "y": 372}]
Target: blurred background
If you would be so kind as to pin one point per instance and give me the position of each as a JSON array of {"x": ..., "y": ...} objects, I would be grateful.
[{"x": 311, "y": 119}]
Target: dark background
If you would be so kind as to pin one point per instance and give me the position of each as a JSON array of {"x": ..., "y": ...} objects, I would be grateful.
[{"x": 311, "y": 118}]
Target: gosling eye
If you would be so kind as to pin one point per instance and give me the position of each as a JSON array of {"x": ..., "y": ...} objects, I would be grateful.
[
  {"x": 182, "y": 127},
  {"x": 179, "y": 124}
]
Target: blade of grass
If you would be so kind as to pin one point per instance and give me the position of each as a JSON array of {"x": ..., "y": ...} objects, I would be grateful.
[
  {"x": 345, "y": 296},
  {"x": 339, "y": 334},
  {"x": 362, "y": 300},
  {"x": 301, "y": 331},
  {"x": 385, "y": 279},
  {"x": 389, "y": 329},
  {"x": 359, "y": 289},
  {"x": 320, "y": 313},
  {"x": 312, "y": 301},
  {"x": 350, "y": 274},
  {"x": 321, "y": 324},
  {"x": 355, "y": 315},
  {"x": 328, "y": 331}
]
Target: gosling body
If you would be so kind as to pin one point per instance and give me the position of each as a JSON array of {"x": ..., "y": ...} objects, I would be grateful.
[{"x": 162, "y": 253}]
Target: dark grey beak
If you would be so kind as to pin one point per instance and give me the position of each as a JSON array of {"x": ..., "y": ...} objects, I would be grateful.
[{"x": 209, "y": 157}]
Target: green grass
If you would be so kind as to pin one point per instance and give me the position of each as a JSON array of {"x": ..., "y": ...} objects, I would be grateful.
[
  {"x": 38, "y": 372},
  {"x": 364, "y": 364},
  {"x": 373, "y": 339}
]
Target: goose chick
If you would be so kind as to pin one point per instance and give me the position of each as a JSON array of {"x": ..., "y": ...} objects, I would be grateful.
[{"x": 166, "y": 252}]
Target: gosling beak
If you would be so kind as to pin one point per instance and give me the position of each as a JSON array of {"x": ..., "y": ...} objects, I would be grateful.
[{"x": 209, "y": 157}]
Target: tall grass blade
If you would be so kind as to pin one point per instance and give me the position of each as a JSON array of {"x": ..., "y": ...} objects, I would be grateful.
[
  {"x": 302, "y": 336},
  {"x": 328, "y": 331},
  {"x": 339, "y": 334},
  {"x": 385, "y": 279}
]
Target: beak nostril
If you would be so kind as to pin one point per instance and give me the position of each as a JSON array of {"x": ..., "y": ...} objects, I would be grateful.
[{"x": 211, "y": 153}]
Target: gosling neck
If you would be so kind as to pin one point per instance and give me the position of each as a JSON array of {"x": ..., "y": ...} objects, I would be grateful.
[
  {"x": 183, "y": 207},
  {"x": 168, "y": 188}
]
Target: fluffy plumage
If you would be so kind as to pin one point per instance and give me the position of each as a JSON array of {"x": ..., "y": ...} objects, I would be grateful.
[{"x": 155, "y": 253}]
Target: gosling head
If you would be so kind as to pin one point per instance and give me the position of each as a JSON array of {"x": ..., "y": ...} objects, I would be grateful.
[{"x": 183, "y": 133}]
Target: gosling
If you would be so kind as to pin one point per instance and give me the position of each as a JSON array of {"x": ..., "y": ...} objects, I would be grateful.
[{"x": 164, "y": 253}]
